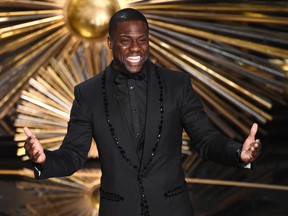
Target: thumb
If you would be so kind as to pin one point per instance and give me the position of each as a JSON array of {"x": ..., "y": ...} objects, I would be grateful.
[
  {"x": 27, "y": 132},
  {"x": 253, "y": 131}
]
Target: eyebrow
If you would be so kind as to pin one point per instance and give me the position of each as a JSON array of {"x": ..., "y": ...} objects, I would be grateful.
[{"x": 141, "y": 35}]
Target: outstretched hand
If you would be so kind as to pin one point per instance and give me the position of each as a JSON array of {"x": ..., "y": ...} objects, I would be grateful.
[
  {"x": 33, "y": 148},
  {"x": 251, "y": 147}
]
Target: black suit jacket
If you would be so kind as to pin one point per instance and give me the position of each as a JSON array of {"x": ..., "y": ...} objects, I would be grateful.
[{"x": 157, "y": 182}]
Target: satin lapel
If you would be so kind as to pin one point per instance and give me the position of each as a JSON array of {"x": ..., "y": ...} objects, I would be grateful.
[
  {"x": 118, "y": 121},
  {"x": 152, "y": 117}
]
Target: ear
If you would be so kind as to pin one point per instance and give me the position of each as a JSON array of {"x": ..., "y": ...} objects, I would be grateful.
[{"x": 109, "y": 42}]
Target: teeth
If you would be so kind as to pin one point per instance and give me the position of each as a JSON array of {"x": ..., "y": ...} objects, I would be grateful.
[{"x": 134, "y": 59}]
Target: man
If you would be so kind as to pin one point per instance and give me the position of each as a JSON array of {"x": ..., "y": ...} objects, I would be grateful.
[{"x": 136, "y": 111}]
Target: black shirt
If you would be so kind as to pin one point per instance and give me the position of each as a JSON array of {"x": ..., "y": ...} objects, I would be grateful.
[{"x": 132, "y": 96}]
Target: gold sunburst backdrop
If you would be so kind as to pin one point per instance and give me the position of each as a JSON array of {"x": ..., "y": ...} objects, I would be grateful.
[
  {"x": 60, "y": 196},
  {"x": 237, "y": 64},
  {"x": 235, "y": 51}
]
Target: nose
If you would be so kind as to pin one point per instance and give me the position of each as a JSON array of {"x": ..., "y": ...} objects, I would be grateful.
[{"x": 134, "y": 46}]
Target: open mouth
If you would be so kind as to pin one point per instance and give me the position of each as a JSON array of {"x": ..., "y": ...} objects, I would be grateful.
[{"x": 134, "y": 59}]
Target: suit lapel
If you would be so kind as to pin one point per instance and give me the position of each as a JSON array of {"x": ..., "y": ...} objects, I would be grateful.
[
  {"x": 126, "y": 147},
  {"x": 152, "y": 118}
]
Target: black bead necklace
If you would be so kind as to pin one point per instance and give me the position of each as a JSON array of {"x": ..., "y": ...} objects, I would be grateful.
[{"x": 112, "y": 129}]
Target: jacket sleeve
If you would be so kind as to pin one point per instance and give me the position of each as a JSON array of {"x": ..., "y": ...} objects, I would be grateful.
[
  {"x": 75, "y": 147},
  {"x": 210, "y": 143}
]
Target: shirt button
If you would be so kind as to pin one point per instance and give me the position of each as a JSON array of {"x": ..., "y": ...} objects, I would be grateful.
[
  {"x": 131, "y": 87},
  {"x": 134, "y": 110}
]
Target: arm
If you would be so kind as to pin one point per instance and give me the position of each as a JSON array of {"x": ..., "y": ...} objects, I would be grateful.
[
  {"x": 210, "y": 143},
  {"x": 74, "y": 150}
]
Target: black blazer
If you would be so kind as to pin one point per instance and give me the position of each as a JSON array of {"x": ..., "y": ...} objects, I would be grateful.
[{"x": 155, "y": 185}]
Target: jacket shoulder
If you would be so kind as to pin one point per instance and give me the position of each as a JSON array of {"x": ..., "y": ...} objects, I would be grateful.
[
  {"x": 91, "y": 82},
  {"x": 173, "y": 75}
]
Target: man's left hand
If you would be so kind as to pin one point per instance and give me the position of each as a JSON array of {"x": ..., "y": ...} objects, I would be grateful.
[{"x": 251, "y": 148}]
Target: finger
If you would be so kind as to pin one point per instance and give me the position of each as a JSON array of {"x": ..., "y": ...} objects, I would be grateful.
[
  {"x": 256, "y": 145},
  {"x": 29, "y": 149},
  {"x": 29, "y": 142},
  {"x": 253, "y": 131},
  {"x": 257, "y": 150},
  {"x": 27, "y": 132},
  {"x": 34, "y": 157},
  {"x": 258, "y": 141},
  {"x": 33, "y": 153},
  {"x": 30, "y": 137},
  {"x": 36, "y": 154},
  {"x": 255, "y": 154}
]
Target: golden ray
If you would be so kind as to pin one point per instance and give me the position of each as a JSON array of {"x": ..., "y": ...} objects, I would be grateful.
[
  {"x": 45, "y": 105},
  {"x": 190, "y": 45},
  {"x": 236, "y": 55},
  {"x": 223, "y": 60},
  {"x": 60, "y": 196}
]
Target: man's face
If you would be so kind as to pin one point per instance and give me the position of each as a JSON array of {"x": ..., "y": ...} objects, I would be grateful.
[{"x": 130, "y": 45}]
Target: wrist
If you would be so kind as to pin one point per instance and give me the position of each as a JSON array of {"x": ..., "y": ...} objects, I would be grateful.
[{"x": 239, "y": 159}]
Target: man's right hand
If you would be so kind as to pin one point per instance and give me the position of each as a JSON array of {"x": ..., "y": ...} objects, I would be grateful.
[{"x": 33, "y": 148}]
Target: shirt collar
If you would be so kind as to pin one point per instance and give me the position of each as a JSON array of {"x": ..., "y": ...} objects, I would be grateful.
[{"x": 121, "y": 77}]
